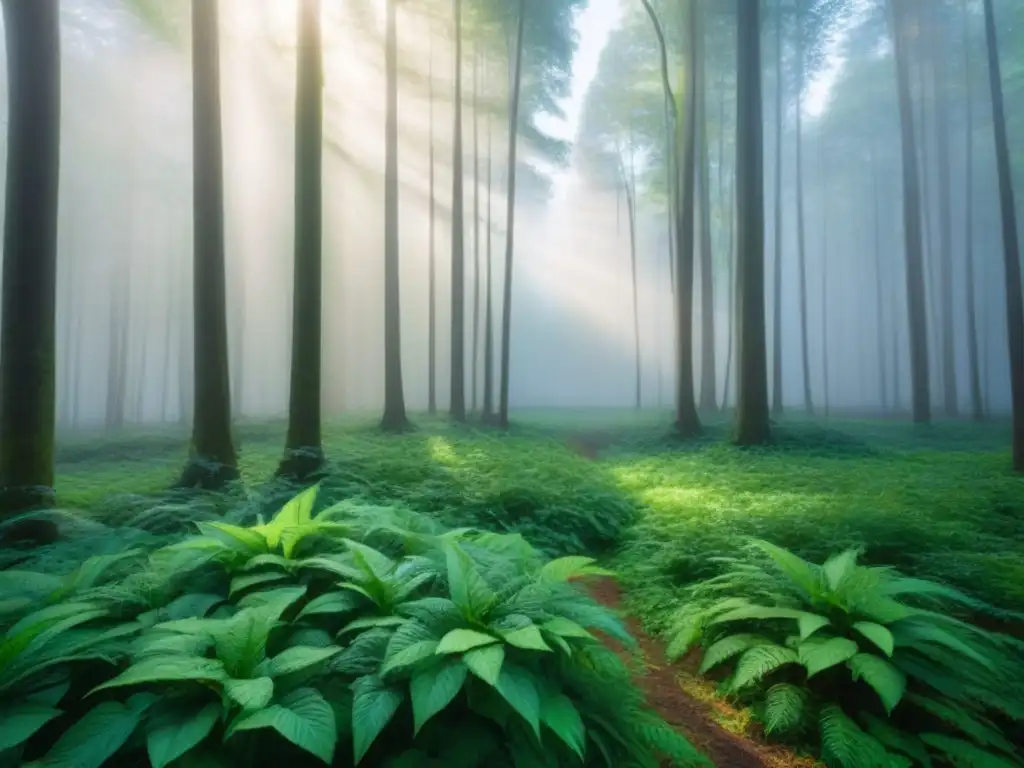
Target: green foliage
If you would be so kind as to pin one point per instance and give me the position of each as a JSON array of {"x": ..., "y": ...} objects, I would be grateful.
[
  {"x": 355, "y": 635},
  {"x": 876, "y": 662}
]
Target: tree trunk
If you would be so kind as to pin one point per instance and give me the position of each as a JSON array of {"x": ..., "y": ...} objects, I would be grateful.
[
  {"x": 777, "y": 403},
  {"x": 432, "y": 251},
  {"x": 212, "y": 462},
  {"x": 916, "y": 315},
  {"x": 977, "y": 401},
  {"x": 395, "y": 419},
  {"x": 824, "y": 274},
  {"x": 506, "y": 309},
  {"x": 876, "y": 226},
  {"x": 475, "y": 357},
  {"x": 117, "y": 347},
  {"x": 1011, "y": 243},
  {"x": 708, "y": 366},
  {"x": 304, "y": 454},
  {"x": 801, "y": 230},
  {"x": 752, "y": 421},
  {"x": 458, "y": 320},
  {"x": 629, "y": 184},
  {"x": 29, "y": 308},
  {"x": 731, "y": 314},
  {"x": 488, "y": 411}
]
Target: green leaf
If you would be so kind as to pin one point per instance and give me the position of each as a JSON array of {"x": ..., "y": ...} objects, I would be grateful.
[
  {"x": 297, "y": 511},
  {"x": 94, "y": 739},
  {"x": 249, "y": 580},
  {"x": 818, "y": 654},
  {"x": 877, "y": 634},
  {"x": 373, "y": 706},
  {"x": 839, "y": 567},
  {"x": 372, "y": 562},
  {"x": 273, "y": 602},
  {"x": 191, "y": 605},
  {"x": 518, "y": 688},
  {"x": 338, "y": 565},
  {"x": 19, "y": 722},
  {"x": 486, "y": 662},
  {"x": 167, "y": 669},
  {"x": 469, "y": 590},
  {"x": 888, "y": 681},
  {"x": 246, "y": 540},
  {"x": 274, "y": 561},
  {"x": 804, "y": 574},
  {"x": 785, "y": 707},
  {"x": 757, "y": 612},
  {"x": 843, "y": 743},
  {"x": 758, "y": 662},
  {"x": 560, "y": 715},
  {"x": 528, "y": 638},
  {"x": 729, "y": 646},
  {"x": 565, "y": 628},
  {"x": 963, "y": 754},
  {"x": 302, "y": 717},
  {"x": 369, "y": 622},
  {"x": 409, "y": 656},
  {"x": 250, "y": 694},
  {"x": 297, "y": 658},
  {"x": 897, "y": 740},
  {"x": 331, "y": 604},
  {"x": 809, "y": 623},
  {"x": 174, "y": 732},
  {"x": 572, "y": 567},
  {"x": 462, "y": 640},
  {"x": 433, "y": 688}
]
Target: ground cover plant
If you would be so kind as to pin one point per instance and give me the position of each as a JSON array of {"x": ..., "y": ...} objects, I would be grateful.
[
  {"x": 870, "y": 664},
  {"x": 359, "y": 635}
]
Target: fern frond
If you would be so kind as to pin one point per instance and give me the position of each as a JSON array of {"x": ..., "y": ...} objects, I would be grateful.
[{"x": 785, "y": 708}]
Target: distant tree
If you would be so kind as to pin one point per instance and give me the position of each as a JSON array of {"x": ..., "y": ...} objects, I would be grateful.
[
  {"x": 27, "y": 359},
  {"x": 432, "y": 246},
  {"x": 780, "y": 87},
  {"x": 709, "y": 365},
  {"x": 212, "y": 461},
  {"x": 458, "y": 327},
  {"x": 304, "y": 455}
]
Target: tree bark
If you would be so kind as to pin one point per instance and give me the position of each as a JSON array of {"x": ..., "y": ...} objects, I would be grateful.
[
  {"x": 801, "y": 227},
  {"x": 977, "y": 401},
  {"x": 432, "y": 251},
  {"x": 708, "y": 366},
  {"x": 777, "y": 402},
  {"x": 488, "y": 408},
  {"x": 457, "y": 407},
  {"x": 475, "y": 357}
]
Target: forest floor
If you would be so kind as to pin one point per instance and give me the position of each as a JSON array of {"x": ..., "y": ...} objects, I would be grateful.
[{"x": 937, "y": 502}]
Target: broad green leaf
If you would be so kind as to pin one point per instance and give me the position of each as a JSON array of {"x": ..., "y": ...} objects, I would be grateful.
[
  {"x": 462, "y": 640},
  {"x": 191, "y": 605},
  {"x": 94, "y": 739},
  {"x": 302, "y": 717},
  {"x": 845, "y": 744},
  {"x": 486, "y": 662},
  {"x": 411, "y": 643},
  {"x": 170, "y": 644},
  {"x": 888, "y": 681},
  {"x": 571, "y": 567},
  {"x": 175, "y": 731},
  {"x": 314, "y": 636},
  {"x": 409, "y": 655},
  {"x": 371, "y": 561},
  {"x": 18, "y": 722},
  {"x": 964, "y": 754},
  {"x": 271, "y": 560},
  {"x": 518, "y": 688},
  {"x": 369, "y": 622},
  {"x": 250, "y": 694},
  {"x": 877, "y": 634},
  {"x": 297, "y": 511},
  {"x": 273, "y": 602},
  {"x": 565, "y": 628},
  {"x": 785, "y": 708},
  {"x": 13, "y": 582},
  {"x": 297, "y": 658},
  {"x": 818, "y": 654},
  {"x": 373, "y": 706},
  {"x": 757, "y": 612},
  {"x": 838, "y": 567},
  {"x": 51, "y": 694},
  {"x": 728, "y": 647},
  {"x": 804, "y": 574},
  {"x": 246, "y": 540},
  {"x": 332, "y": 603},
  {"x": 469, "y": 590},
  {"x": 809, "y": 623},
  {"x": 528, "y": 638},
  {"x": 560, "y": 715},
  {"x": 758, "y": 662},
  {"x": 334, "y": 564},
  {"x": 249, "y": 580},
  {"x": 241, "y": 641},
  {"x": 433, "y": 688},
  {"x": 167, "y": 669},
  {"x": 897, "y": 740}
]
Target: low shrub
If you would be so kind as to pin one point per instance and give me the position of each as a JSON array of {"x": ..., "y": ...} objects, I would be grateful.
[
  {"x": 872, "y": 665},
  {"x": 361, "y": 635}
]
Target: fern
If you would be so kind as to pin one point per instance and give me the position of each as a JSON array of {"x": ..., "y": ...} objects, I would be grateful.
[{"x": 786, "y": 708}]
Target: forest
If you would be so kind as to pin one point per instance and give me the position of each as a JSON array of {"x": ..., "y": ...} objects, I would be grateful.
[{"x": 512, "y": 383}]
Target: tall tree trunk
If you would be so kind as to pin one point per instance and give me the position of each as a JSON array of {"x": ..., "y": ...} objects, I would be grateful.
[
  {"x": 733, "y": 288},
  {"x": 510, "y": 219},
  {"x": 752, "y": 423},
  {"x": 432, "y": 251},
  {"x": 1011, "y": 243},
  {"x": 212, "y": 461},
  {"x": 488, "y": 411},
  {"x": 474, "y": 377},
  {"x": 977, "y": 401},
  {"x": 458, "y": 320},
  {"x": 801, "y": 227},
  {"x": 304, "y": 454},
  {"x": 916, "y": 314},
  {"x": 629, "y": 185},
  {"x": 876, "y": 226},
  {"x": 708, "y": 366},
  {"x": 27, "y": 391},
  {"x": 395, "y": 419},
  {"x": 117, "y": 347},
  {"x": 777, "y": 403}
]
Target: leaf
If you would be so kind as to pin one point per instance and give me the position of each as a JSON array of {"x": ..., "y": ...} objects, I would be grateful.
[
  {"x": 900, "y": 741},
  {"x": 785, "y": 707},
  {"x": 246, "y": 540},
  {"x": 571, "y": 567},
  {"x": 757, "y": 662},
  {"x": 409, "y": 656},
  {"x": 462, "y": 640},
  {"x": 250, "y": 694},
  {"x": 167, "y": 669},
  {"x": 372, "y": 562},
  {"x": 19, "y": 722},
  {"x": 297, "y": 658},
  {"x": 517, "y": 687},
  {"x": 888, "y": 681},
  {"x": 249, "y": 580},
  {"x": 809, "y": 623},
  {"x": 332, "y": 564},
  {"x": 729, "y": 646},
  {"x": 486, "y": 662},
  {"x": 878, "y": 635},
  {"x": 469, "y": 590},
  {"x": 843, "y": 743},
  {"x": 963, "y": 754},
  {"x": 273, "y": 602},
  {"x": 373, "y": 706},
  {"x": 433, "y": 688},
  {"x": 302, "y": 717},
  {"x": 369, "y": 622},
  {"x": 174, "y": 732},
  {"x": 817, "y": 655},
  {"x": 839, "y": 567},
  {"x": 241, "y": 641},
  {"x": 191, "y": 605},
  {"x": 332, "y": 603},
  {"x": 528, "y": 638},
  {"x": 565, "y": 628},
  {"x": 94, "y": 739},
  {"x": 753, "y": 612},
  {"x": 298, "y": 511},
  {"x": 560, "y": 715}
]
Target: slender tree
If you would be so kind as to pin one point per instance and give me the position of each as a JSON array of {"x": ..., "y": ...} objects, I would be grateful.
[
  {"x": 458, "y": 329},
  {"x": 488, "y": 409},
  {"x": 1011, "y": 242},
  {"x": 432, "y": 249},
  {"x": 475, "y": 356},
  {"x": 777, "y": 404},
  {"x": 708, "y": 364},
  {"x": 752, "y": 420},
  {"x": 801, "y": 228},
  {"x": 304, "y": 455},
  {"x": 27, "y": 359},
  {"x": 977, "y": 401},
  {"x": 629, "y": 185},
  {"x": 212, "y": 461}
]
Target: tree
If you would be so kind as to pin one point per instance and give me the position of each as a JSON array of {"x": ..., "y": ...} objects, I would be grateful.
[
  {"x": 1011, "y": 243},
  {"x": 212, "y": 462},
  {"x": 752, "y": 419},
  {"x": 304, "y": 454},
  {"x": 977, "y": 401},
  {"x": 458, "y": 329},
  {"x": 432, "y": 251},
  {"x": 777, "y": 403},
  {"x": 708, "y": 367},
  {"x": 394, "y": 419},
  {"x": 27, "y": 386}
]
